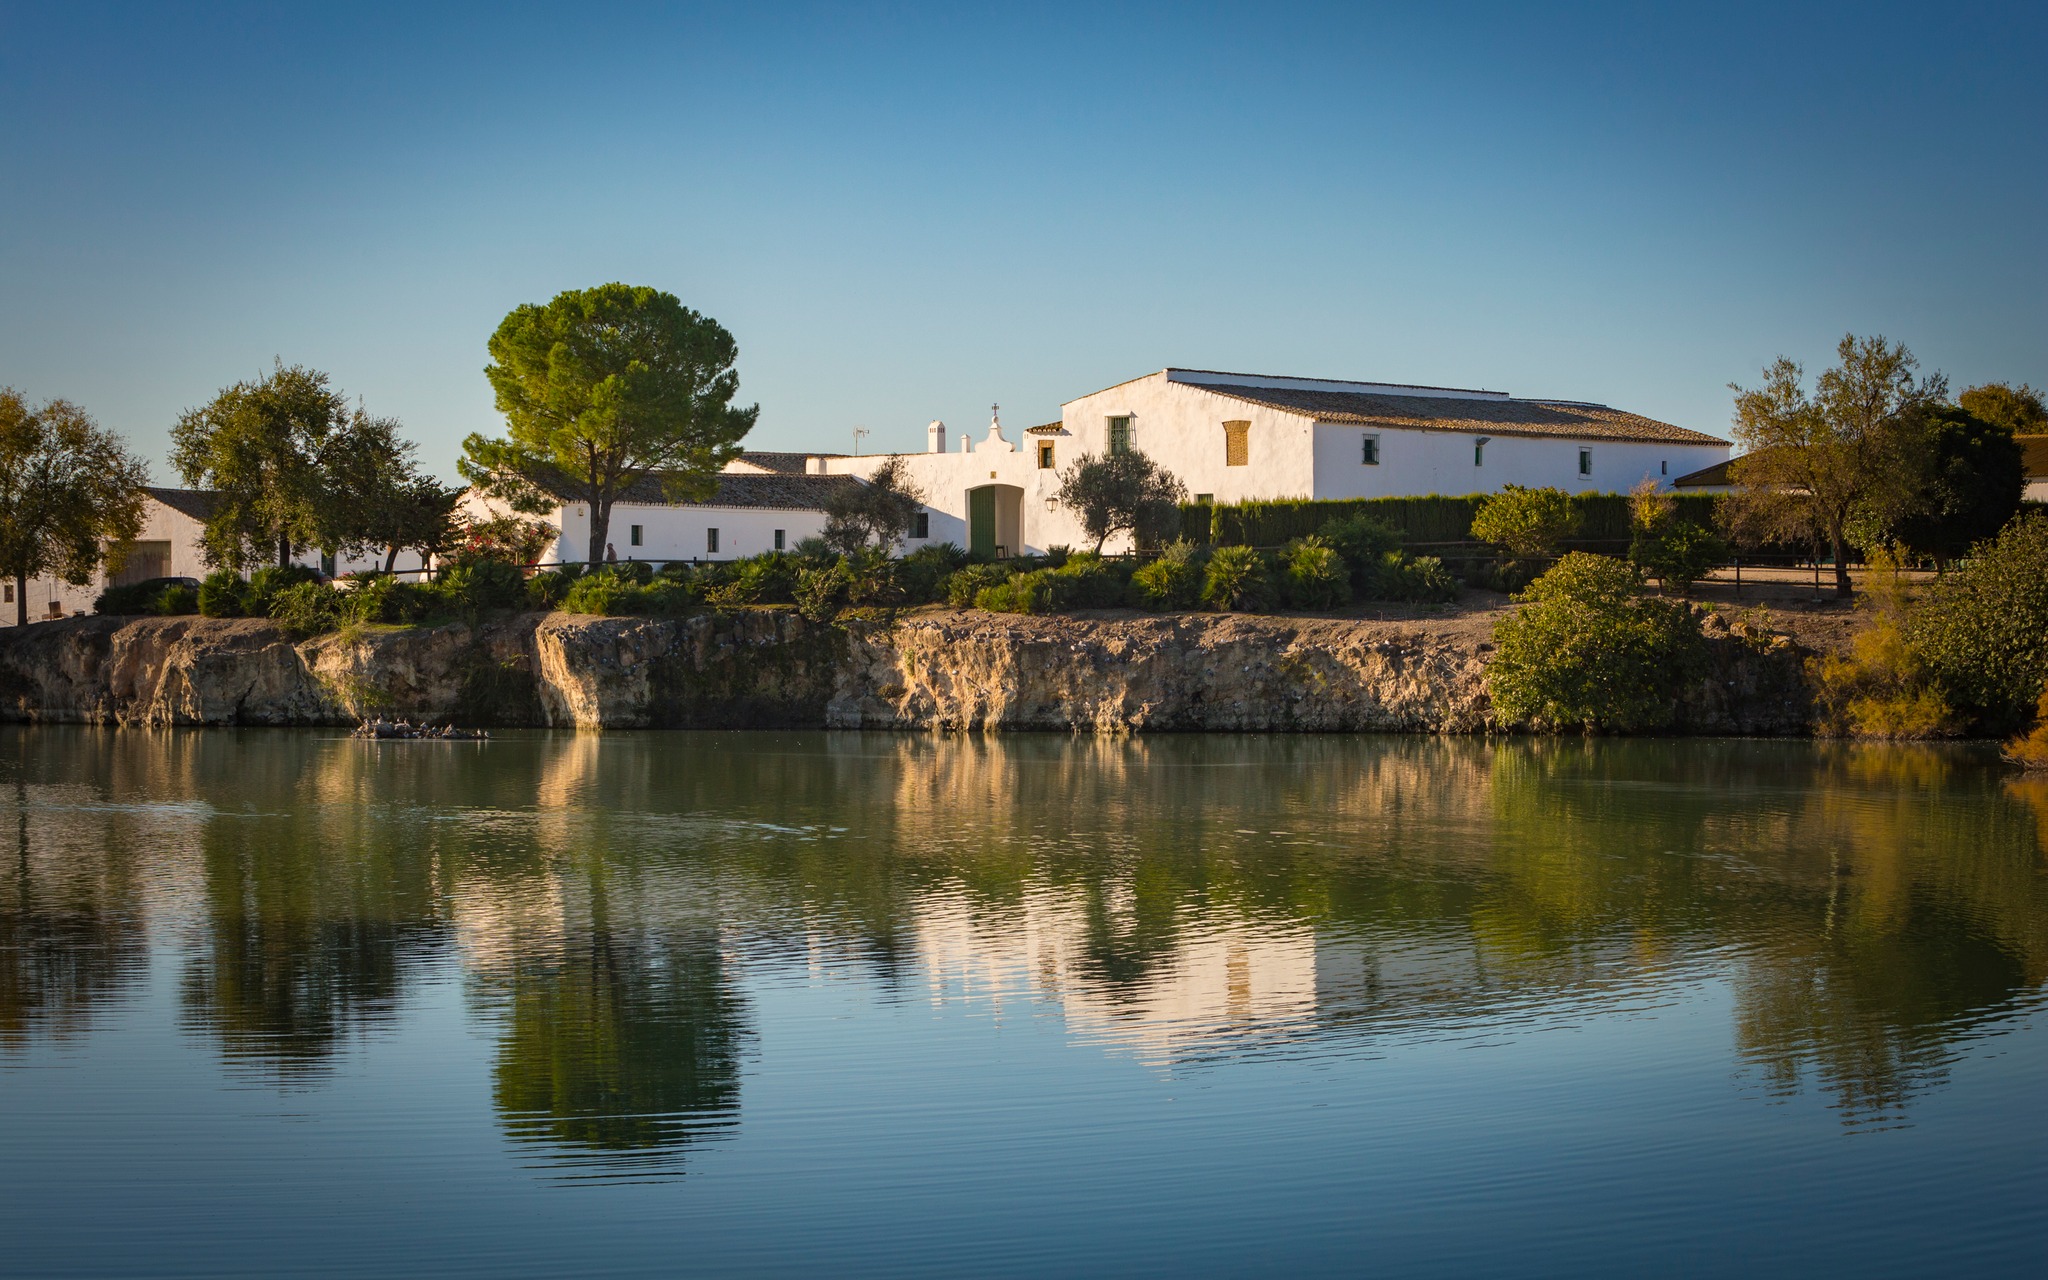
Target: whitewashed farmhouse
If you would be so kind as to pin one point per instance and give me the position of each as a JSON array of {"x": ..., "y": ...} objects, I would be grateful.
[{"x": 1232, "y": 437}]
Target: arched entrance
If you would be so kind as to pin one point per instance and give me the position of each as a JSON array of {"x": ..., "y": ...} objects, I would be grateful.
[{"x": 995, "y": 521}]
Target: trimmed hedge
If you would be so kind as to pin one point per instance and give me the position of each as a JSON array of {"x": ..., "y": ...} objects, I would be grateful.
[{"x": 1603, "y": 517}]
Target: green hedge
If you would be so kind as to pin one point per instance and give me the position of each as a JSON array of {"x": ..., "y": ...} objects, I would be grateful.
[{"x": 1603, "y": 517}]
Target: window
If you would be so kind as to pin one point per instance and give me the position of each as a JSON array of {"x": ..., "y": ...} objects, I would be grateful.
[
  {"x": 921, "y": 523},
  {"x": 780, "y": 539},
  {"x": 1119, "y": 436},
  {"x": 1664, "y": 468},
  {"x": 8, "y": 598},
  {"x": 1045, "y": 455},
  {"x": 1585, "y": 462},
  {"x": 1479, "y": 452},
  {"x": 711, "y": 542},
  {"x": 633, "y": 536},
  {"x": 1237, "y": 444},
  {"x": 1370, "y": 454},
  {"x": 1206, "y": 499}
]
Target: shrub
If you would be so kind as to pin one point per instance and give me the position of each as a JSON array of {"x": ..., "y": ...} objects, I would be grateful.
[
  {"x": 307, "y": 608},
  {"x": 1587, "y": 650},
  {"x": 667, "y": 597},
  {"x": 387, "y": 599},
  {"x": 1086, "y": 581},
  {"x": 823, "y": 590},
  {"x": 1236, "y": 580},
  {"x": 814, "y": 550},
  {"x": 603, "y": 594},
  {"x": 1677, "y": 553},
  {"x": 1313, "y": 575},
  {"x": 2030, "y": 750},
  {"x": 1414, "y": 580},
  {"x": 967, "y": 582},
  {"x": 221, "y": 594},
  {"x": 548, "y": 588},
  {"x": 1021, "y": 593},
  {"x": 1173, "y": 581},
  {"x": 636, "y": 572},
  {"x": 176, "y": 599},
  {"x": 870, "y": 578},
  {"x": 266, "y": 583},
  {"x": 769, "y": 578},
  {"x": 476, "y": 585},
  {"x": 1530, "y": 523},
  {"x": 922, "y": 574},
  {"x": 1362, "y": 540},
  {"x": 1982, "y": 630},
  {"x": 1880, "y": 689}
]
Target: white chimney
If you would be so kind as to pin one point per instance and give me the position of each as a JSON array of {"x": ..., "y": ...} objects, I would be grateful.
[
  {"x": 814, "y": 466},
  {"x": 936, "y": 433},
  {"x": 966, "y": 442}
]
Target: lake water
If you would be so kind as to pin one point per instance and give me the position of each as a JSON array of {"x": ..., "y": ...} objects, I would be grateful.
[{"x": 284, "y": 1003}]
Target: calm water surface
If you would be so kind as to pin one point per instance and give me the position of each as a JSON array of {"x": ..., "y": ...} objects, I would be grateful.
[{"x": 280, "y": 1003}]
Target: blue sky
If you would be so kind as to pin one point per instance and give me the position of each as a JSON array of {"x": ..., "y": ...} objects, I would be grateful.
[{"x": 905, "y": 212}]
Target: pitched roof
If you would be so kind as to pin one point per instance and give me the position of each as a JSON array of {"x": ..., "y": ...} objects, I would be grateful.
[
  {"x": 788, "y": 464},
  {"x": 1482, "y": 415},
  {"x": 1716, "y": 476},
  {"x": 2034, "y": 456},
  {"x": 737, "y": 489},
  {"x": 1047, "y": 429},
  {"x": 197, "y": 503}
]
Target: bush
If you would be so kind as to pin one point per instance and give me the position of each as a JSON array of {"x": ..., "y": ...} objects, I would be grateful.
[
  {"x": 266, "y": 583},
  {"x": 477, "y": 585},
  {"x": 769, "y": 578},
  {"x": 635, "y": 572},
  {"x": 1588, "y": 651},
  {"x": 221, "y": 594},
  {"x": 139, "y": 597},
  {"x": 1086, "y": 581},
  {"x": 2030, "y": 751},
  {"x": 1677, "y": 553},
  {"x": 177, "y": 599},
  {"x": 307, "y": 608},
  {"x": 667, "y": 597},
  {"x": 1362, "y": 540},
  {"x": 387, "y": 599},
  {"x": 1313, "y": 575},
  {"x": 922, "y": 574},
  {"x": 1236, "y": 580},
  {"x": 1414, "y": 580},
  {"x": 823, "y": 590},
  {"x": 1173, "y": 581},
  {"x": 1021, "y": 593},
  {"x": 548, "y": 588},
  {"x": 1530, "y": 523},
  {"x": 966, "y": 583},
  {"x": 1880, "y": 689},
  {"x": 603, "y": 594},
  {"x": 1982, "y": 631}
]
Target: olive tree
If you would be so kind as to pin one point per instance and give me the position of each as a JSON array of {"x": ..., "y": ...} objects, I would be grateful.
[
  {"x": 604, "y": 388},
  {"x": 70, "y": 495},
  {"x": 1123, "y": 493},
  {"x": 1817, "y": 464},
  {"x": 1530, "y": 523},
  {"x": 876, "y": 513},
  {"x": 258, "y": 444}
]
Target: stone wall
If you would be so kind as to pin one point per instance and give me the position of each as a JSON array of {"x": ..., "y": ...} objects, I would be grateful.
[{"x": 770, "y": 668}]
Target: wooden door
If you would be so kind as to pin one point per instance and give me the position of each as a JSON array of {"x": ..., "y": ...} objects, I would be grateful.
[{"x": 981, "y": 522}]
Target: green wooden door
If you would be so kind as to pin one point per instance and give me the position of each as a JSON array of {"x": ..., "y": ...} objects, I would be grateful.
[{"x": 981, "y": 522}]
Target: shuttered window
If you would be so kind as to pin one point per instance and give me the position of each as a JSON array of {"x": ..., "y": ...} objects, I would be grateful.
[{"x": 1237, "y": 444}]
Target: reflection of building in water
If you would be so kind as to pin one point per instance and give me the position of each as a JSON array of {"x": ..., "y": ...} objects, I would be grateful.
[{"x": 1220, "y": 979}]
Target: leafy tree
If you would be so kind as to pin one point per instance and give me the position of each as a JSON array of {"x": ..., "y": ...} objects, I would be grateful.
[
  {"x": 1675, "y": 552},
  {"x": 374, "y": 495},
  {"x": 2019, "y": 410},
  {"x": 70, "y": 494},
  {"x": 259, "y": 445},
  {"x": 1588, "y": 651},
  {"x": 1123, "y": 493},
  {"x": 601, "y": 389},
  {"x": 1973, "y": 476},
  {"x": 877, "y": 513},
  {"x": 510, "y": 538},
  {"x": 1816, "y": 463},
  {"x": 1530, "y": 523}
]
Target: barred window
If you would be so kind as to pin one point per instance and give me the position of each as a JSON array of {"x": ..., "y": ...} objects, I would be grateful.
[
  {"x": 1119, "y": 435},
  {"x": 1370, "y": 456}
]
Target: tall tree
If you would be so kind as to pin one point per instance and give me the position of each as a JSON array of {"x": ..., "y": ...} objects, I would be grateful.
[
  {"x": 259, "y": 445},
  {"x": 1972, "y": 479},
  {"x": 1816, "y": 463},
  {"x": 602, "y": 388},
  {"x": 376, "y": 497},
  {"x": 1123, "y": 493},
  {"x": 2019, "y": 410},
  {"x": 70, "y": 494},
  {"x": 877, "y": 512}
]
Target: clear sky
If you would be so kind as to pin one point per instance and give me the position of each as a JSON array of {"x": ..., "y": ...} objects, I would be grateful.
[{"x": 905, "y": 213}]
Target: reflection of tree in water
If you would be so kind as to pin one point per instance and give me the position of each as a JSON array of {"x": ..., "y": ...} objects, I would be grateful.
[
  {"x": 621, "y": 1046},
  {"x": 71, "y": 937}
]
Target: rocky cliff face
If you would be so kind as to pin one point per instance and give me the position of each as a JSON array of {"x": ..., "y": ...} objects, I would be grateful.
[{"x": 958, "y": 671}]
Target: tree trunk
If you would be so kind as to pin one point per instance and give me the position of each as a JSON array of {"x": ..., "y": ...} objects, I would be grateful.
[
  {"x": 600, "y": 533},
  {"x": 284, "y": 550},
  {"x": 20, "y": 599},
  {"x": 391, "y": 558},
  {"x": 1843, "y": 587}
]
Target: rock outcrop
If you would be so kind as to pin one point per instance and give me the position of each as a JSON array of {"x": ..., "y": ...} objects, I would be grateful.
[{"x": 770, "y": 668}]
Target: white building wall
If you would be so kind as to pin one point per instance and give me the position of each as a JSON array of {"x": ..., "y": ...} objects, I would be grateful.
[
  {"x": 669, "y": 532},
  {"x": 1424, "y": 462}
]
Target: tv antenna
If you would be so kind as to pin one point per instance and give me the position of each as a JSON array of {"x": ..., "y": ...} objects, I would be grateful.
[{"x": 859, "y": 434}]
